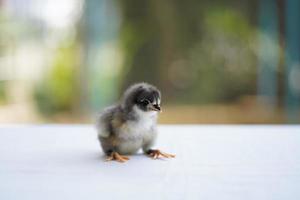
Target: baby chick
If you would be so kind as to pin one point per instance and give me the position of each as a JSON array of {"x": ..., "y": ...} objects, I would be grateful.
[{"x": 125, "y": 128}]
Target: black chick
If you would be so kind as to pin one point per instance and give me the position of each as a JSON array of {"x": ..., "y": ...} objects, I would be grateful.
[{"x": 131, "y": 125}]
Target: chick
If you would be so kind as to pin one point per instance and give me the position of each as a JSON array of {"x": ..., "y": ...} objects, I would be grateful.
[{"x": 125, "y": 128}]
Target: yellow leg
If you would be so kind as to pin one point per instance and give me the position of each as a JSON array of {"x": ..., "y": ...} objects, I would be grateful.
[
  {"x": 156, "y": 153},
  {"x": 117, "y": 157}
]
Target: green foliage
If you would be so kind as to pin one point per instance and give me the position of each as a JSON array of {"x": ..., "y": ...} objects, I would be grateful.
[
  {"x": 2, "y": 92},
  {"x": 195, "y": 51},
  {"x": 227, "y": 21},
  {"x": 56, "y": 93},
  {"x": 225, "y": 58},
  {"x": 140, "y": 37}
]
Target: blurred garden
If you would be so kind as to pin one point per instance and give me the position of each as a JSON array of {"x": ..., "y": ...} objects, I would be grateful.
[{"x": 234, "y": 61}]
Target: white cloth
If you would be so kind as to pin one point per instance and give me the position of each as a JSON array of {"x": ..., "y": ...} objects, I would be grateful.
[{"x": 212, "y": 162}]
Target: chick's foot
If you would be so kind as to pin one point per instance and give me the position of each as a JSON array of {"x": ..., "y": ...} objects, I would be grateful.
[
  {"x": 157, "y": 153},
  {"x": 117, "y": 157}
]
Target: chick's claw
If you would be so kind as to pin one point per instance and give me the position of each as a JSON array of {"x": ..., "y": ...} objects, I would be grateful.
[
  {"x": 156, "y": 153},
  {"x": 117, "y": 157}
]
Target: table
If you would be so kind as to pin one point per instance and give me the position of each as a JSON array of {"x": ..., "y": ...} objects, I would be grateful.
[{"x": 212, "y": 162}]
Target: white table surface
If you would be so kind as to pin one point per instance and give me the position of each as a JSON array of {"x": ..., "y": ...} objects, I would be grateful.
[{"x": 212, "y": 162}]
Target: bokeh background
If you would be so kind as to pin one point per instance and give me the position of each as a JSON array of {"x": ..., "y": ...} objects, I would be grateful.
[{"x": 215, "y": 61}]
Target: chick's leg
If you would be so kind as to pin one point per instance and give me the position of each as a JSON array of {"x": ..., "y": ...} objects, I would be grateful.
[
  {"x": 117, "y": 157},
  {"x": 156, "y": 153}
]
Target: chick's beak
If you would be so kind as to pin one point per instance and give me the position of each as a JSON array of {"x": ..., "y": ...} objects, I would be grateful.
[{"x": 155, "y": 107}]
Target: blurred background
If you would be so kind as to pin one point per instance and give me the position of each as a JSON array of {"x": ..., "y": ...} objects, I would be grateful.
[{"x": 215, "y": 61}]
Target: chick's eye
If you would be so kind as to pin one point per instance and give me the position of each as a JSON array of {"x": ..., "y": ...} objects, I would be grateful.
[{"x": 144, "y": 102}]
